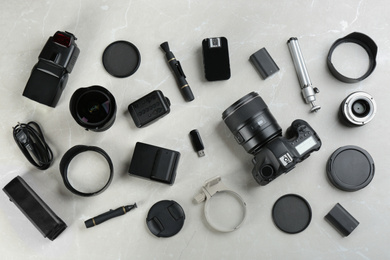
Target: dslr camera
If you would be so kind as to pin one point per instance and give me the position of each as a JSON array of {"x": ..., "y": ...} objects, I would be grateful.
[{"x": 255, "y": 128}]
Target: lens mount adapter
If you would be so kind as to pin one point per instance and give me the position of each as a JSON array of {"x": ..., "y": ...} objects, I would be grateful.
[
  {"x": 358, "y": 108},
  {"x": 93, "y": 108}
]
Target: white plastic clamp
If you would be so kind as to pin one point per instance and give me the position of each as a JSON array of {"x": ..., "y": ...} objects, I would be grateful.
[{"x": 209, "y": 189}]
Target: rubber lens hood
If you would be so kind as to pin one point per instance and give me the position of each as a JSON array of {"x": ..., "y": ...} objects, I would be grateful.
[
  {"x": 93, "y": 108},
  {"x": 68, "y": 157},
  {"x": 366, "y": 43}
]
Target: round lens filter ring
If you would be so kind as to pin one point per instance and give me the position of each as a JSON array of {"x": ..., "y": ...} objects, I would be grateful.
[
  {"x": 350, "y": 168},
  {"x": 291, "y": 213},
  {"x": 121, "y": 59}
]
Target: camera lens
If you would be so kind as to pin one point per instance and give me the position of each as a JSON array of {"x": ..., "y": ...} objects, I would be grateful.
[
  {"x": 93, "y": 108},
  {"x": 251, "y": 122},
  {"x": 358, "y": 108}
]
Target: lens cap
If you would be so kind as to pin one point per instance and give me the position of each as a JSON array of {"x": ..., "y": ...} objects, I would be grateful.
[
  {"x": 291, "y": 213},
  {"x": 350, "y": 168},
  {"x": 165, "y": 218},
  {"x": 121, "y": 59}
]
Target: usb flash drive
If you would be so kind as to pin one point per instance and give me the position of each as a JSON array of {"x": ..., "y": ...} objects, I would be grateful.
[{"x": 197, "y": 142}]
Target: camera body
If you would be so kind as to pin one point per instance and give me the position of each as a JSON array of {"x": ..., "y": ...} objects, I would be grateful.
[
  {"x": 257, "y": 131},
  {"x": 281, "y": 154},
  {"x": 50, "y": 75}
]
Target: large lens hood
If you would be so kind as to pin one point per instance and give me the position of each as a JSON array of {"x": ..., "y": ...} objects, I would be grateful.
[
  {"x": 93, "y": 108},
  {"x": 365, "y": 42}
]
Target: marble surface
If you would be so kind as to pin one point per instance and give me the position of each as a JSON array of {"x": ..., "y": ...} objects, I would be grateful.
[{"x": 248, "y": 25}]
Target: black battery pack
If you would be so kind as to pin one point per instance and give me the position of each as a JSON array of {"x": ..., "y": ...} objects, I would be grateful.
[
  {"x": 264, "y": 63},
  {"x": 340, "y": 218},
  {"x": 34, "y": 208},
  {"x": 149, "y": 108},
  {"x": 154, "y": 163},
  {"x": 216, "y": 58}
]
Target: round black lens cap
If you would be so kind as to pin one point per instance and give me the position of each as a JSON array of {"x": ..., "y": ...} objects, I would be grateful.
[
  {"x": 121, "y": 59},
  {"x": 165, "y": 218},
  {"x": 350, "y": 168},
  {"x": 291, "y": 213}
]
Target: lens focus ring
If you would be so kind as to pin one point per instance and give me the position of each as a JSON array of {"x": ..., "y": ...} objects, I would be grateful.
[{"x": 251, "y": 122}]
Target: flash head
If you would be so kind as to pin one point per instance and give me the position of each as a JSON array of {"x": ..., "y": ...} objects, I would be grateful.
[{"x": 50, "y": 75}]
